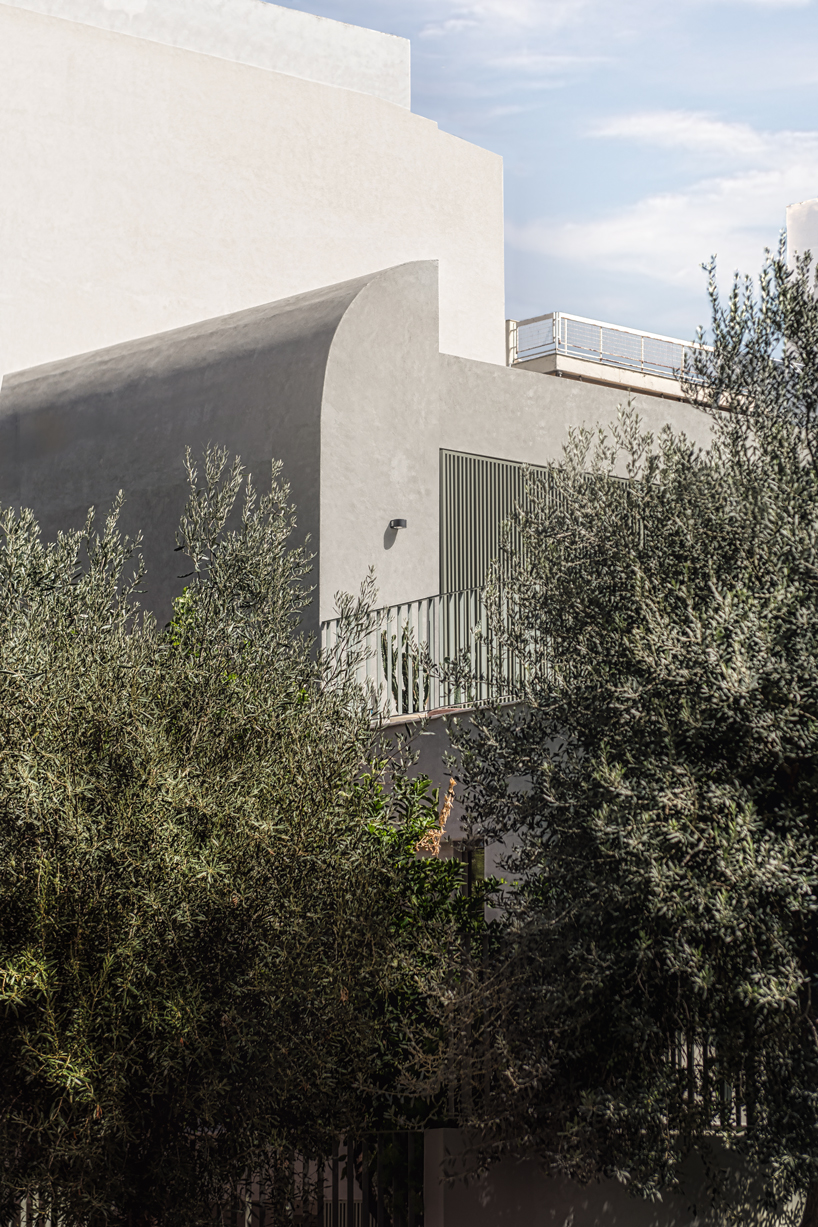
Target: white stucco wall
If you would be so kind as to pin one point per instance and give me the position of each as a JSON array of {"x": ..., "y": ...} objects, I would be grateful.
[
  {"x": 145, "y": 187},
  {"x": 257, "y": 33},
  {"x": 802, "y": 228}
]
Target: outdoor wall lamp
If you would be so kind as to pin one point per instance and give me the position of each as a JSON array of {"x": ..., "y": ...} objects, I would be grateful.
[{"x": 397, "y": 524}]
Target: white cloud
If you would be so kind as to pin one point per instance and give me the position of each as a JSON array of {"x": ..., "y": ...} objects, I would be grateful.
[
  {"x": 536, "y": 62},
  {"x": 526, "y": 14},
  {"x": 767, "y": 4},
  {"x": 667, "y": 235},
  {"x": 691, "y": 130},
  {"x": 697, "y": 132},
  {"x": 452, "y": 25},
  {"x": 506, "y": 19}
]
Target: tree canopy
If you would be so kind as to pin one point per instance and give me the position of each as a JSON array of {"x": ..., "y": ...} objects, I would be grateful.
[
  {"x": 656, "y": 779},
  {"x": 214, "y": 930}
]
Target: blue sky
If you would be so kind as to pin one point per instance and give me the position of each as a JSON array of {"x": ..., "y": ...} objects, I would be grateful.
[{"x": 639, "y": 137}]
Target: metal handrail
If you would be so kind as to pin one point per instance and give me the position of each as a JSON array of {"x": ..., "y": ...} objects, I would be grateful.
[{"x": 576, "y": 336}]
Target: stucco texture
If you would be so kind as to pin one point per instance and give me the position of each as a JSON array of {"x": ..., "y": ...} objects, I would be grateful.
[
  {"x": 390, "y": 407},
  {"x": 254, "y": 32},
  {"x": 345, "y": 385},
  {"x": 147, "y": 186}
]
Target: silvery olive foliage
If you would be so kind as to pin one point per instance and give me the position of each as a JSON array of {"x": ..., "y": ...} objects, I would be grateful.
[
  {"x": 214, "y": 931},
  {"x": 656, "y": 781}
]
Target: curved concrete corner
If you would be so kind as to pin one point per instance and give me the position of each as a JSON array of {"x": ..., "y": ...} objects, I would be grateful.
[
  {"x": 73, "y": 433},
  {"x": 379, "y": 429},
  {"x": 392, "y": 401},
  {"x": 345, "y": 385}
]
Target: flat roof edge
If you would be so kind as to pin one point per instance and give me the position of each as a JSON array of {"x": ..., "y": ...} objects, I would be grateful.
[{"x": 254, "y": 33}]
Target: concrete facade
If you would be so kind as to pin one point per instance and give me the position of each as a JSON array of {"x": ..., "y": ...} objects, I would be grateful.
[
  {"x": 197, "y": 196},
  {"x": 148, "y": 183},
  {"x": 254, "y": 33},
  {"x": 358, "y": 425}
]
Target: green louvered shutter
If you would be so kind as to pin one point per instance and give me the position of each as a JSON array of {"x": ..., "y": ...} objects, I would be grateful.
[{"x": 477, "y": 494}]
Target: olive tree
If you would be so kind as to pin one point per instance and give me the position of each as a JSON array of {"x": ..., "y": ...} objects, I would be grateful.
[
  {"x": 653, "y": 772},
  {"x": 214, "y": 931}
]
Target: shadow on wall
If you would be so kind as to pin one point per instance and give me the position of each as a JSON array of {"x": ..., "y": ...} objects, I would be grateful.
[{"x": 519, "y": 1194}]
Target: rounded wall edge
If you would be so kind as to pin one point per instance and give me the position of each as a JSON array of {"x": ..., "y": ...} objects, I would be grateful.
[
  {"x": 75, "y": 432},
  {"x": 379, "y": 429}
]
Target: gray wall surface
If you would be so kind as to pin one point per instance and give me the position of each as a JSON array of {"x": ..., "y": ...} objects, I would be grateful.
[
  {"x": 345, "y": 385},
  {"x": 74, "y": 433}
]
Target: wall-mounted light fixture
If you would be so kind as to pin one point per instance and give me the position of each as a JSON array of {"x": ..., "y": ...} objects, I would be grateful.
[{"x": 397, "y": 524}]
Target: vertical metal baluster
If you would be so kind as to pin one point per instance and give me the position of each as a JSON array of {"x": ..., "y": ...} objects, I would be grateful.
[
  {"x": 691, "y": 1068},
  {"x": 410, "y": 663},
  {"x": 400, "y": 1187},
  {"x": 366, "y": 1199},
  {"x": 411, "y": 1216},
  {"x": 388, "y": 633},
  {"x": 248, "y": 1201},
  {"x": 350, "y": 1182},
  {"x": 426, "y": 690},
  {"x": 319, "y": 1196},
  {"x": 379, "y": 1177},
  {"x": 335, "y": 1222}
]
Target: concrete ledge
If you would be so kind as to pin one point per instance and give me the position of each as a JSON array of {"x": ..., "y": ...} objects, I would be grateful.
[{"x": 605, "y": 375}]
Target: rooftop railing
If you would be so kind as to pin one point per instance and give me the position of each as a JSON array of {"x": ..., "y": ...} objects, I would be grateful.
[{"x": 574, "y": 336}]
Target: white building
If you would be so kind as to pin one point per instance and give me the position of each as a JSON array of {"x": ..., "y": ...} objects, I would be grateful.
[
  {"x": 168, "y": 161},
  {"x": 222, "y": 223},
  {"x": 802, "y": 229},
  {"x": 200, "y": 198}
]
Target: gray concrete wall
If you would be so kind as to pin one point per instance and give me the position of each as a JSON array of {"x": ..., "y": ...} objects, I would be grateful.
[
  {"x": 345, "y": 385},
  {"x": 392, "y": 403},
  {"x": 379, "y": 427},
  {"x": 73, "y": 433}
]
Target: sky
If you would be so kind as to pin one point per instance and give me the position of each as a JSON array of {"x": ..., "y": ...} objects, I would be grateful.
[{"x": 639, "y": 137}]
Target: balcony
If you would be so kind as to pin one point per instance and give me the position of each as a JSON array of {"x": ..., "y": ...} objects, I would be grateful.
[
  {"x": 590, "y": 350},
  {"x": 407, "y": 647}
]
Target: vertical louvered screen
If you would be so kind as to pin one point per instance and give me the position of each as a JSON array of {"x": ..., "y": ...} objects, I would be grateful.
[{"x": 477, "y": 495}]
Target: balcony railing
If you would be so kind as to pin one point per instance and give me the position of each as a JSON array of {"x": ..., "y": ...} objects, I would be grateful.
[
  {"x": 407, "y": 648},
  {"x": 573, "y": 336}
]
